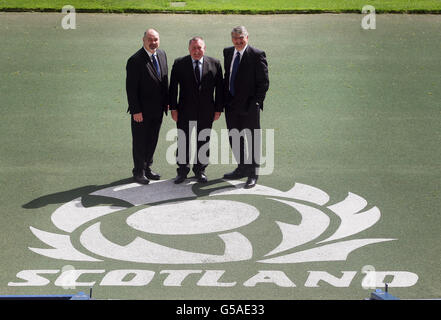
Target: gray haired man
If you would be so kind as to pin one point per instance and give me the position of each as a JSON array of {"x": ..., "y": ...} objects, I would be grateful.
[{"x": 245, "y": 85}]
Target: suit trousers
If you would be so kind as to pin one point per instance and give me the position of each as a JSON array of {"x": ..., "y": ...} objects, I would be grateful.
[
  {"x": 202, "y": 152},
  {"x": 144, "y": 140},
  {"x": 245, "y": 138}
]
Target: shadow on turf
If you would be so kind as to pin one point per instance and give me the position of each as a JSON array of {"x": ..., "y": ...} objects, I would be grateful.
[
  {"x": 199, "y": 190},
  {"x": 66, "y": 196}
]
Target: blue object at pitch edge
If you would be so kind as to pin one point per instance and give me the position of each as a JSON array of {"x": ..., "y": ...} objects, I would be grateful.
[
  {"x": 379, "y": 294},
  {"x": 78, "y": 296}
]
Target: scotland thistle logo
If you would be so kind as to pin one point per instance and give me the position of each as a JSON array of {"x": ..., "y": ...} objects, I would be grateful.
[{"x": 163, "y": 209}]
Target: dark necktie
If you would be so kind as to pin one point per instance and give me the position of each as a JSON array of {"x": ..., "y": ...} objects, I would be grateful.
[
  {"x": 197, "y": 72},
  {"x": 233, "y": 72},
  {"x": 155, "y": 63}
]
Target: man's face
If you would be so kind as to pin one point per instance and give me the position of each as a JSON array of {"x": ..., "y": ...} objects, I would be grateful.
[
  {"x": 197, "y": 49},
  {"x": 239, "y": 41},
  {"x": 151, "y": 40}
]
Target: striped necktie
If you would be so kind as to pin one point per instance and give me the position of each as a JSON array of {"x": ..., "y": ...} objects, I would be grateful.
[{"x": 155, "y": 63}]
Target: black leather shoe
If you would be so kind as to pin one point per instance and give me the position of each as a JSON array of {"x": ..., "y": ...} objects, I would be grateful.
[
  {"x": 142, "y": 179},
  {"x": 180, "y": 178},
  {"x": 236, "y": 174},
  {"x": 251, "y": 182},
  {"x": 201, "y": 177},
  {"x": 152, "y": 175}
]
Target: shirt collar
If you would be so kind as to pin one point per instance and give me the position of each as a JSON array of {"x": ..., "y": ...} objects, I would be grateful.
[
  {"x": 149, "y": 53},
  {"x": 241, "y": 51},
  {"x": 201, "y": 60}
]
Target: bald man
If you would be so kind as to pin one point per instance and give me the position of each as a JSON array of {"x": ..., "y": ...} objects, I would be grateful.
[{"x": 147, "y": 95}]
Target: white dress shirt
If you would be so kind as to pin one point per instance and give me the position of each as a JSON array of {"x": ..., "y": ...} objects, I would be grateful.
[
  {"x": 234, "y": 56},
  {"x": 151, "y": 57}
]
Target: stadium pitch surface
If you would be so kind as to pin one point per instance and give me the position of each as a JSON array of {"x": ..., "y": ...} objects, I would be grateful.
[{"x": 352, "y": 203}]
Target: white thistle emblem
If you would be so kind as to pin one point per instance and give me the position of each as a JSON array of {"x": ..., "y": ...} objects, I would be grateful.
[{"x": 187, "y": 215}]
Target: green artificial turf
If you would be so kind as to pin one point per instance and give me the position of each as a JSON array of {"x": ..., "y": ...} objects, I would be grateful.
[
  {"x": 226, "y": 6},
  {"x": 353, "y": 110}
]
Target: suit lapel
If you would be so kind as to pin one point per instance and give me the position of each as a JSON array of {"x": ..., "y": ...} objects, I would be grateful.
[
  {"x": 243, "y": 61},
  {"x": 150, "y": 67},
  {"x": 228, "y": 58},
  {"x": 189, "y": 69},
  {"x": 161, "y": 61},
  {"x": 204, "y": 70}
]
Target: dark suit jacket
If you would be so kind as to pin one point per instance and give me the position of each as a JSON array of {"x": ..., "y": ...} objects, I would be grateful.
[
  {"x": 196, "y": 103},
  {"x": 251, "y": 82},
  {"x": 146, "y": 92}
]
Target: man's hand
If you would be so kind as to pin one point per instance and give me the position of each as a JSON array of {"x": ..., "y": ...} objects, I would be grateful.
[
  {"x": 216, "y": 115},
  {"x": 137, "y": 117},
  {"x": 174, "y": 114}
]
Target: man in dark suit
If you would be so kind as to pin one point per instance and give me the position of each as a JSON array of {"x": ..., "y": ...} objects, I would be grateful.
[
  {"x": 147, "y": 94},
  {"x": 246, "y": 83},
  {"x": 200, "y": 83}
]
